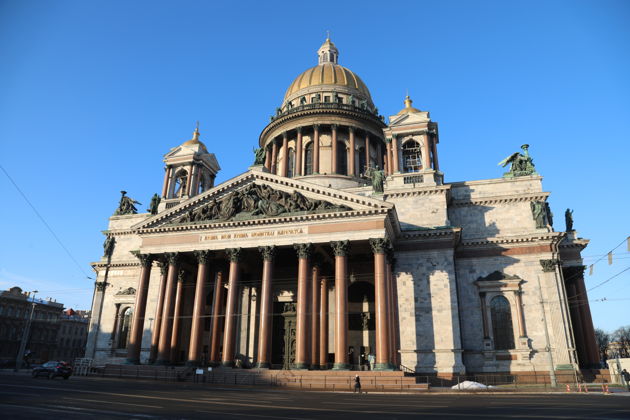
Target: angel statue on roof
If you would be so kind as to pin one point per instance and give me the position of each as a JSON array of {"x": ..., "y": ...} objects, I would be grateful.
[{"x": 522, "y": 164}]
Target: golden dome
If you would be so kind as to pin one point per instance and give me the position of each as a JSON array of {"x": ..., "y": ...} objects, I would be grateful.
[
  {"x": 408, "y": 109},
  {"x": 195, "y": 141},
  {"x": 328, "y": 73}
]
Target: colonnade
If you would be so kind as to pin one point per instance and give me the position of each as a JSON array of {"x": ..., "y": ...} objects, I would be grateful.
[
  {"x": 312, "y": 309},
  {"x": 280, "y": 143}
]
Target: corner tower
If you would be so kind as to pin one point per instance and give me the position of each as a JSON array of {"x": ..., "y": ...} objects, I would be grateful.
[
  {"x": 190, "y": 170},
  {"x": 327, "y": 128}
]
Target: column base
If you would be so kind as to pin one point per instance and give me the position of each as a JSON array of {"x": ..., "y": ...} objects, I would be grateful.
[
  {"x": 323, "y": 367},
  {"x": 384, "y": 366},
  {"x": 132, "y": 361},
  {"x": 341, "y": 366},
  {"x": 263, "y": 365},
  {"x": 193, "y": 363},
  {"x": 300, "y": 366},
  {"x": 314, "y": 367},
  {"x": 227, "y": 363}
]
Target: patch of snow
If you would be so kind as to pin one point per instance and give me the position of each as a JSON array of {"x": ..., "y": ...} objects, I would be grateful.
[{"x": 470, "y": 385}]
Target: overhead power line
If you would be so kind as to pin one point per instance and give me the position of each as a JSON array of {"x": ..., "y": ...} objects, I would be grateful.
[{"x": 52, "y": 232}]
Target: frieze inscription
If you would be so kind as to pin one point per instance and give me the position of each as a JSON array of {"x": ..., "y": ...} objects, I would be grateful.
[{"x": 250, "y": 235}]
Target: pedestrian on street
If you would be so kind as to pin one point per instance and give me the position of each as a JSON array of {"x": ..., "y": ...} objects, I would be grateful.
[
  {"x": 626, "y": 377},
  {"x": 357, "y": 384}
]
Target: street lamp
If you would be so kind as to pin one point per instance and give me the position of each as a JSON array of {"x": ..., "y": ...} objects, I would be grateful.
[{"x": 20, "y": 356}]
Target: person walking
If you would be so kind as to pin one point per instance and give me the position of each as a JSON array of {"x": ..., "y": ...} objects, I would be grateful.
[
  {"x": 357, "y": 384},
  {"x": 626, "y": 377}
]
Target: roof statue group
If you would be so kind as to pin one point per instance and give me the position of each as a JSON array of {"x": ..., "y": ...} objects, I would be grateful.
[
  {"x": 522, "y": 164},
  {"x": 127, "y": 205}
]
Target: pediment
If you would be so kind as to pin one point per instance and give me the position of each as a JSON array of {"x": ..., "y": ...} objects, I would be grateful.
[
  {"x": 412, "y": 118},
  {"x": 257, "y": 196}
]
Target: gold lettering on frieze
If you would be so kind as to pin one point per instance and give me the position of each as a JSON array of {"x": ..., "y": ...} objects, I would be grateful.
[{"x": 249, "y": 235}]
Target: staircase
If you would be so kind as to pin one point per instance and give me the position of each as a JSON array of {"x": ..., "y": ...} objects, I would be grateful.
[{"x": 315, "y": 380}]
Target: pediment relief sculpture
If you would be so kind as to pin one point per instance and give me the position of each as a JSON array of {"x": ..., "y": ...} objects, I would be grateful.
[
  {"x": 126, "y": 292},
  {"x": 257, "y": 201},
  {"x": 497, "y": 276}
]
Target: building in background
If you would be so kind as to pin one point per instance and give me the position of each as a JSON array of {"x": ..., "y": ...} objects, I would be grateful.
[
  {"x": 343, "y": 240},
  {"x": 15, "y": 310},
  {"x": 72, "y": 335}
]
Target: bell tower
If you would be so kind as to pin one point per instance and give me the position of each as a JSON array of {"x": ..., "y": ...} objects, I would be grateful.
[{"x": 189, "y": 171}]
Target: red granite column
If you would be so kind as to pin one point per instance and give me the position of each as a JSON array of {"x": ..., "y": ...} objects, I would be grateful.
[
  {"x": 340, "y": 249},
  {"x": 315, "y": 317},
  {"x": 217, "y": 313},
  {"x": 383, "y": 353},
  {"x": 157, "y": 322},
  {"x": 266, "y": 301},
  {"x": 520, "y": 316},
  {"x": 285, "y": 151},
  {"x": 164, "y": 345},
  {"x": 323, "y": 324},
  {"x": 274, "y": 157},
  {"x": 167, "y": 177},
  {"x": 396, "y": 167},
  {"x": 391, "y": 312},
  {"x": 588, "y": 332},
  {"x": 390, "y": 164},
  {"x": 426, "y": 157},
  {"x": 436, "y": 164},
  {"x": 315, "y": 149},
  {"x": 196, "y": 329},
  {"x": 229, "y": 334},
  {"x": 298, "y": 153},
  {"x": 267, "y": 159},
  {"x": 302, "y": 356},
  {"x": 367, "y": 151},
  {"x": 351, "y": 170},
  {"x": 333, "y": 159},
  {"x": 137, "y": 325},
  {"x": 177, "y": 317}
]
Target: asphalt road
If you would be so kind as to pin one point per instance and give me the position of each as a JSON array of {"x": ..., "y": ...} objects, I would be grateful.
[{"x": 22, "y": 397}]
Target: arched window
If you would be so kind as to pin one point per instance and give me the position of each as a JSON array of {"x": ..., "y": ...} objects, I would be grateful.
[
  {"x": 342, "y": 158},
  {"x": 412, "y": 158},
  {"x": 180, "y": 184},
  {"x": 502, "y": 330},
  {"x": 291, "y": 164},
  {"x": 308, "y": 159},
  {"x": 125, "y": 325}
]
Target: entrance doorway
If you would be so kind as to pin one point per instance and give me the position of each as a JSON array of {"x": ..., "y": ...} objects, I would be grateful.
[{"x": 283, "y": 342}]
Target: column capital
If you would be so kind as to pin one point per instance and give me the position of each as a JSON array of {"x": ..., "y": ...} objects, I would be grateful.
[
  {"x": 163, "y": 267},
  {"x": 303, "y": 250},
  {"x": 388, "y": 140},
  {"x": 299, "y": 130},
  {"x": 234, "y": 254},
  {"x": 172, "y": 257},
  {"x": 549, "y": 265},
  {"x": 316, "y": 126},
  {"x": 379, "y": 245},
  {"x": 285, "y": 135},
  {"x": 340, "y": 248},
  {"x": 145, "y": 259},
  {"x": 180, "y": 275},
  {"x": 334, "y": 126},
  {"x": 268, "y": 252},
  {"x": 203, "y": 256},
  {"x": 351, "y": 129},
  {"x": 100, "y": 286}
]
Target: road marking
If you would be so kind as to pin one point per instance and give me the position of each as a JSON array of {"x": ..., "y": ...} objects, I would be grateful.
[
  {"x": 93, "y": 410},
  {"x": 111, "y": 402},
  {"x": 251, "y": 415}
]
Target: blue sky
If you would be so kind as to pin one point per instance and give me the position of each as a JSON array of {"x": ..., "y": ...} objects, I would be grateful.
[{"x": 92, "y": 94}]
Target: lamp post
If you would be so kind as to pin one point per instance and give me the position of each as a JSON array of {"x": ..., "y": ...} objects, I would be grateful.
[{"x": 20, "y": 356}]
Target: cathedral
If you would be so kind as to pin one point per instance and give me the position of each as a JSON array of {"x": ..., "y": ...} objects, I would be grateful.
[{"x": 341, "y": 247}]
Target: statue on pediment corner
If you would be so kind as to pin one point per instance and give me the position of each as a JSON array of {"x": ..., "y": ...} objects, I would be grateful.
[
  {"x": 126, "y": 205},
  {"x": 522, "y": 164},
  {"x": 155, "y": 202},
  {"x": 126, "y": 292},
  {"x": 259, "y": 156}
]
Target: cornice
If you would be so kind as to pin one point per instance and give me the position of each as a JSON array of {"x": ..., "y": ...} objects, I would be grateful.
[
  {"x": 409, "y": 192},
  {"x": 103, "y": 264},
  {"x": 548, "y": 237},
  {"x": 500, "y": 199}
]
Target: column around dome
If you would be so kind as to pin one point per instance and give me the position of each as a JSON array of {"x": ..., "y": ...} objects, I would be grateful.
[
  {"x": 315, "y": 149},
  {"x": 333, "y": 159},
  {"x": 285, "y": 154},
  {"x": 298, "y": 153},
  {"x": 274, "y": 156},
  {"x": 351, "y": 170}
]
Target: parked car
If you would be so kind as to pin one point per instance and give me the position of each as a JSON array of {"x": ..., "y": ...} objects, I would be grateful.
[{"x": 53, "y": 369}]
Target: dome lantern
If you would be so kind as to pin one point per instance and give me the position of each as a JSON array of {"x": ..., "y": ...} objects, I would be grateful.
[{"x": 328, "y": 53}]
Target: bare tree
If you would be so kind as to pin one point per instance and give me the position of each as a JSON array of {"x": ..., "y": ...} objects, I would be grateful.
[
  {"x": 622, "y": 337},
  {"x": 603, "y": 341}
]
